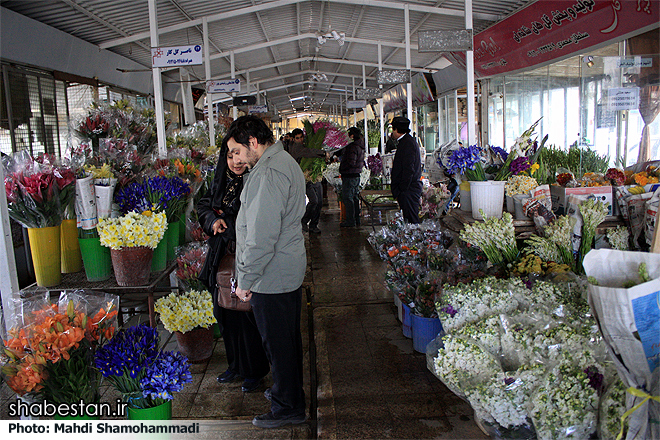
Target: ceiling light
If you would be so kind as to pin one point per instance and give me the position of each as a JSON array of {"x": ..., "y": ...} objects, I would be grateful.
[{"x": 295, "y": 99}]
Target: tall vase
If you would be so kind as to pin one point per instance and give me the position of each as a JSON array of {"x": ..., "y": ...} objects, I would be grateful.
[
  {"x": 160, "y": 412},
  {"x": 172, "y": 235},
  {"x": 487, "y": 196},
  {"x": 46, "y": 255},
  {"x": 69, "y": 247},
  {"x": 132, "y": 265},
  {"x": 196, "y": 344},
  {"x": 159, "y": 260},
  {"x": 96, "y": 259}
]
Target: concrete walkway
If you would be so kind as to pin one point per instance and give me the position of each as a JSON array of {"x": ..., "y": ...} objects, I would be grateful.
[{"x": 362, "y": 377}]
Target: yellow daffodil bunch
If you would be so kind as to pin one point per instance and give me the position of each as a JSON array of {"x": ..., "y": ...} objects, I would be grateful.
[
  {"x": 104, "y": 172},
  {"x": 186, "y": 311},
  {"x": 132, "y": 230}
]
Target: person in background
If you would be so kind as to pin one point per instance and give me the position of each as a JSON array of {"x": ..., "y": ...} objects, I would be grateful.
[
  {"x": 406, "y": 170},
  {"x": 217, "y": 211},
  {"x": 352, "y": 162},
  {"x": 313, "y": 190},
  {"x": 271, "y": 261}
]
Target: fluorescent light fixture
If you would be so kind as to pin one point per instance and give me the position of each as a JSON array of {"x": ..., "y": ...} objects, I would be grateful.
[{"x": 298, "y": 98}]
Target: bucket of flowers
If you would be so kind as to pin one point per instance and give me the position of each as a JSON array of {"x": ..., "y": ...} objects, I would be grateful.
[
  {"x": 49, "y": 348},
  {"x": 190, "y": 317},
  {"x": 132, "y": 239},
  {"x": 142, "y": 372}
]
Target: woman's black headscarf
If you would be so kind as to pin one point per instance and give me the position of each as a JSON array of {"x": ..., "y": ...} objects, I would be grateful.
[{"x": 223, "y": 196}]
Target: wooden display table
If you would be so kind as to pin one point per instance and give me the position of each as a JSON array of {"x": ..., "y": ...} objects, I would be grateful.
[
  {"x": 129, "y": 297},
  {"x": 456, "y": 219}
]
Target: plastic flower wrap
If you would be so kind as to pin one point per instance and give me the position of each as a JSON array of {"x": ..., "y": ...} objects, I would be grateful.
[
  {"x": 48, "y": 349},
  {"x": 434, "y": 199},
  {"x": 565, "y": 405},
  {"x": 132, "y": 230},
  {"x": 495, "y": 237},
  {"x": 189, "y": 262},
  {"x": 186, "y": 311},
  {"x": 33, "y": 198},
  {"x": 502, "y": 400},
  {"x": 135, "y": 365},
  {"x": 461, "y": 364},
  {"x": 520, "y": 184},
  {"x": 487, "y": 332},
  {"x": 331, "y": 174}
]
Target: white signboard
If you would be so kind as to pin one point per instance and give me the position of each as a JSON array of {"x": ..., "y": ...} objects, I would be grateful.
[
  {"x": 623, "y": 98},
  {"x": 223, "y": 85},
  {"x": 358, "y": 103},
  {"x": 257, "y": 109},
  {"x": 176, "y": 56},
  {"x": 635, "y": 62}
]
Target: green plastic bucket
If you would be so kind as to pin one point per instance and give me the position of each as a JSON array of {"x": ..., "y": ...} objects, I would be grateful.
[
  {"x": 160, "y": 412},
  {"x": 159, "y": 259},
  {"x": 96, "y": 259}
]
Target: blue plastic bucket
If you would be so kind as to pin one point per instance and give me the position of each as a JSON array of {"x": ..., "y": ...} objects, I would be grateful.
[
  {"x": 424, "y": 330},
  {"x": 406, "y": 322}
]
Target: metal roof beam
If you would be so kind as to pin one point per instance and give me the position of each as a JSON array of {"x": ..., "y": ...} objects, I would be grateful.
[{"x": 281, "y": 3}]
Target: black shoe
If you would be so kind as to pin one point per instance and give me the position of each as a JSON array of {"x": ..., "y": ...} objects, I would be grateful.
[
  {"x": 250, "y": 385},
  {"x": 315, "y": 230},
  {"x": 268, "y": 420},
  {"x": 268, "y": 394},
  {"x": 346, "y": 225},
  {"x": 227, "y": 376}
]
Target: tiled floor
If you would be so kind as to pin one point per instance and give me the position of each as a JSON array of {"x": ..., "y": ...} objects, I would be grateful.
[{"x": 365, "y": 382}]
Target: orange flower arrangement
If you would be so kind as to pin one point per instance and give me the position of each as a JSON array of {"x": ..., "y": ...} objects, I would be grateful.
[{"x": 51, "y": 338}]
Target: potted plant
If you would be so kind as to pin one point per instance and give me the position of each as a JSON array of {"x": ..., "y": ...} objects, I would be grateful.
[
  {"x": 49, "y": 356},
  {"x": 190, "y": 317},
  {"x": 142, "y": 372},
  {"x": 132, "y": 239}
]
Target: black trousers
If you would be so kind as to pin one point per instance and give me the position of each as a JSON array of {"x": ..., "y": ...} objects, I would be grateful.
[
  {"x": 278, "y": 319},
  {"x": 314, "y": 193},
  {"x": 409, "y": 204},
  {"x": 243, "y": 347}
]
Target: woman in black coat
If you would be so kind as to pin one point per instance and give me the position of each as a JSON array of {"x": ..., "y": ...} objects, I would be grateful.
[{"x": 217, "y": 212}]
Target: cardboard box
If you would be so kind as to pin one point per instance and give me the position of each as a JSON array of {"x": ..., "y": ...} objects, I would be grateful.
[{"x": 559, "y": 196}]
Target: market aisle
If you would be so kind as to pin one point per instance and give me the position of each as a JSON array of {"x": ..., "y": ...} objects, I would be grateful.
[{"x": 371, "y": 384}]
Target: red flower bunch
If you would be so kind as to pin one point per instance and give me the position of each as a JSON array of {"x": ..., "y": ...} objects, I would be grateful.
[
  {"x": 564, "y": 178},
  {"x": 616, "y": 176},
  {"x": 190, "y": 260},
  {"x": 33, "y": 199}
]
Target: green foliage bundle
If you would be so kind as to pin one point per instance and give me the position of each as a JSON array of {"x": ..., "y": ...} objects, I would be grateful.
[{"x": 577, "y": 160}]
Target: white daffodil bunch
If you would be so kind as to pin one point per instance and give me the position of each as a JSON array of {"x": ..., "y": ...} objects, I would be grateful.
[
  {"x": 619, "y": 238},
  {"x": 543, "y": 248},
  {"x": 462, "y": 364},
  {"x": 519, "y": 184},
  {"x": 186, "y": 311},
  {"x": 133, "y": 230},
  {"x": 495, "y": 237}
]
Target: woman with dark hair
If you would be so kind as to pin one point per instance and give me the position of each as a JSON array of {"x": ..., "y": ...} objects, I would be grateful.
[
  {"x": 217, "y": 212},
  {"x": 350, "y": 168}
]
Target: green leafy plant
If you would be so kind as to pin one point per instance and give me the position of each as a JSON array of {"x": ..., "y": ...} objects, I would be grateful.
[{"x": 576, "y": 159}]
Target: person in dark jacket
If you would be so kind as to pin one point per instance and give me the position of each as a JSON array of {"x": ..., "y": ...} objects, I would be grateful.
[
  {"x": 217, "y": 212},
  {"x": 352, "y": 162},
  {"x": 406, "y": 170}
]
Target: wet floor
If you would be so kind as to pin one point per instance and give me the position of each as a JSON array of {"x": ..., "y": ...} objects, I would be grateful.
[{"x": 362, "y": 377}]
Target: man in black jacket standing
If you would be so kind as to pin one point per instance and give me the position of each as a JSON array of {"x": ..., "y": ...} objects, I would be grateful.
[
  {"x": 352, "y": 161},
  {"x": 406, "y": 170}
]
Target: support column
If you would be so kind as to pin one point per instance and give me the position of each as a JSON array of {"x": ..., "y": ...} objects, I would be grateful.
[
  {"x": 158, "y": 83},
  {"x": 233, "y": 75},
  {"x": 406, "y": 14},
  {"x": 207, "y": 71},
  {"x": 381, "y": 113},
  {"x": 469, "y": 64},
  {"x": 9, "y": 282}
]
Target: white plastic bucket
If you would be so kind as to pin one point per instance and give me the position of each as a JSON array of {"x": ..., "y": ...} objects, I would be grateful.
[{"x": 487, "y": 196}]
